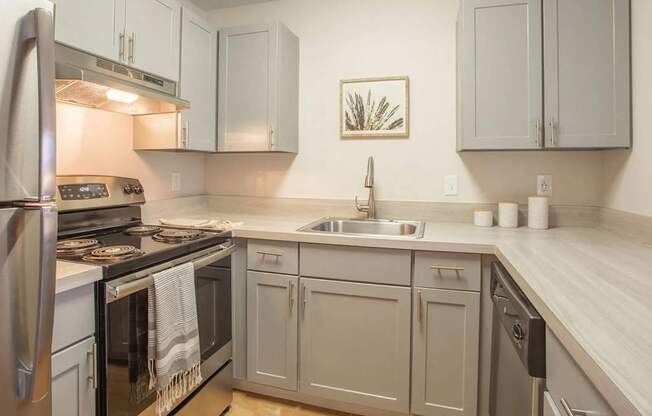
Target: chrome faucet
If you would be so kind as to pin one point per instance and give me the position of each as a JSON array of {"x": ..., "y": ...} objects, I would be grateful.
[{"x": 370, "y": 206}]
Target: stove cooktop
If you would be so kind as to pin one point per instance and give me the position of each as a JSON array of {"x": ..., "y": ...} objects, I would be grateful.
[{"x": 128, "y": 249}]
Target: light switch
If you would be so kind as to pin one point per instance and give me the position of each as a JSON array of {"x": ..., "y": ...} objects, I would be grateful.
[{"x": 450, "y": 185}]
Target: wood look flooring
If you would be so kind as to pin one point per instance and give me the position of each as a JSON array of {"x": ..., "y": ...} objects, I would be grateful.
[{"x": 249, "y": 404}]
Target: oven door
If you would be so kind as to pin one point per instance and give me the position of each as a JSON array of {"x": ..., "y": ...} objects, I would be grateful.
[{"x": 123, "y": 340}]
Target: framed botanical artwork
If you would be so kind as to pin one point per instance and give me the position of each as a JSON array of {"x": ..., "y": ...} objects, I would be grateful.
[{"x": 375, "y": 107}]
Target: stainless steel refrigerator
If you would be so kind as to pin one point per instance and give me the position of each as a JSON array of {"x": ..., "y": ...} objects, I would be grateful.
[{"x": 28, "y": 214}]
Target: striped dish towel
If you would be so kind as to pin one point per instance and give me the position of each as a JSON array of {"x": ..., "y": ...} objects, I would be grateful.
[{"x": 173, "y": 336}]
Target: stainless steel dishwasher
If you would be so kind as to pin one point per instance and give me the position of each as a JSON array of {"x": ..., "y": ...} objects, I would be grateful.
[{"x": 518, "y": 355}]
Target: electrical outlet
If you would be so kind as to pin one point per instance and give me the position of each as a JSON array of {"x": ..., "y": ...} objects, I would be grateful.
[
  {"x": 450, "y": 185},
  {"x": 544, "y": 185},
  {"x": 175, "y": 184}
]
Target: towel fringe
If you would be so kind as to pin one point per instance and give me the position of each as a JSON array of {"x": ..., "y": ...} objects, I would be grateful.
[{"x": 180, "y": 384}]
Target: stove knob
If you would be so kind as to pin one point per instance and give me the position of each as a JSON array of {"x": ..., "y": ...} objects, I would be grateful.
[
  {"x": 128, "y": 189},
  {"x": 138, "y": 189},
  {"x": 517, "y": 331}
]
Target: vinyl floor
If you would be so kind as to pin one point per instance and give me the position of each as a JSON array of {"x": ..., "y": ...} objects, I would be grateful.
[{"x": 249, "y": 404}]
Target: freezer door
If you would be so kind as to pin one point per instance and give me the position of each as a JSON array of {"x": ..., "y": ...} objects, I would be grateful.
[
  {"x": 27, "y": 104},
  {"x": 27, "y": 286}
]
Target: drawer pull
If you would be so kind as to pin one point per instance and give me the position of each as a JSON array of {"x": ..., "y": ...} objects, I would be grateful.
[
  {"x": 570, "y": 411},
  {"x": 264, "y": 254},
  {"x": 456, "y": 269}
]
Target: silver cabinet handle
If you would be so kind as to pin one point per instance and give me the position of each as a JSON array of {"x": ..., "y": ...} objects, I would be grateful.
[
  {"x": 93, "y": 354},
  {"x": 419, "y": 307},
  {"x": 453, "y": 268},
  {"x": 132, "y": 42},
  {"x": 291, "y": 294},
  {"x": 553, "y": 137},
  {"x": 121, "y": 40},
  {"x": 303, "y": 300},
  {"x": 264, "y": 254},
  {"x": 185, "y": 134},
  {"x": 271, "y": 139},
  {"x": 538, "y": 132},
  {"x": 570, "y": 411}
]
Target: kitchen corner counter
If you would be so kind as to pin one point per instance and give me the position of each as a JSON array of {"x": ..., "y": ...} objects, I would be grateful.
[
  {"x": 73, "y": 275},
  {"x": 591, "y": 286}
]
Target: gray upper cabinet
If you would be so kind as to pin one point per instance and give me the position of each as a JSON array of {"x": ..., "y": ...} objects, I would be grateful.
[
  {"x": 74, "y": 372},
  {"x": 92, "y": 26},
  {"x": 272, "y": 329},
  {"x": 144, "y": 34},
  {"x": 152, "y": 29},
  {"x": 587, "y": 73},
  {"x": 445, "y": 355},
  {"x": 516, "y": 55},
  {"x": 355, "y": 343},
  {"x": 500, "y": 97},
  {"x": 258, "y": 89},
  {"x": 198, "y": 83}
]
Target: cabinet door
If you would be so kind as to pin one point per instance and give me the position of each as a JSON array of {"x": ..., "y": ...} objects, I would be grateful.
[
  {"x": 198, "y": 80},
  {"x": 446, "y": 352},
  {"x": 355, "y": 343},
  {"x": 501, "y": 75},
  {"x": 272, "y": 329},
  {"x": 246, "y": 88},
  {"x": 153, "y": 28},
  {"x": 587, "y": 73},
  {"x": 73, "y": 373},
  {"x": 93, "y": 26}
]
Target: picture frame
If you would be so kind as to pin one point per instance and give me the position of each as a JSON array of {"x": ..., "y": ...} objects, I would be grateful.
[{"x": 375, "y": 107}]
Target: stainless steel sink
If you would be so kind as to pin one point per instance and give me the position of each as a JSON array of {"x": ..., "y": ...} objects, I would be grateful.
[{"x": 372, "y": 227}]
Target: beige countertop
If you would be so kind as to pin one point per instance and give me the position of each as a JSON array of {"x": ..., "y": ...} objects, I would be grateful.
[{"x": 593, "y": 288}]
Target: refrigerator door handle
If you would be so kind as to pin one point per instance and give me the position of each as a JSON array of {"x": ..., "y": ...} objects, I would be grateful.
[
  {"x": 39, "y": 26},
  {"x": 34, "y": 377}
]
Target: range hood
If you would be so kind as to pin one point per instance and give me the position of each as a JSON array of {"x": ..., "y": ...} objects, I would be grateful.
[{"x": 90, "y": 81}]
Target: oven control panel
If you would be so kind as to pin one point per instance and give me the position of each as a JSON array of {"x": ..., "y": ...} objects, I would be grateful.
[
  {"x": 83, "y": 191},
  {"x": 78, "y": 193}
]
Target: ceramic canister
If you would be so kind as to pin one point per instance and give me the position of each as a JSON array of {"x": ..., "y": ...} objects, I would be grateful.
[
  {"x": 508, "y": 214},
  {"x": 483, "y": 218},
  {"x": 537, "y": 212}
]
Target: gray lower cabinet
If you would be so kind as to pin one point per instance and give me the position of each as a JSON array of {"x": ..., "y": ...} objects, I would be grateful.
[
  {"x": 355, "y": 343},
  {"x": 272, "y": 329},
  {"x": 569, "y": 388},
  {"x": 445, "y": 356},
  {"x": 74, "y": 372}
]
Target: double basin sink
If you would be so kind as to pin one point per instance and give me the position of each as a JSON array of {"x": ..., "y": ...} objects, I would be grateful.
[{"x": 368, "y": 227}]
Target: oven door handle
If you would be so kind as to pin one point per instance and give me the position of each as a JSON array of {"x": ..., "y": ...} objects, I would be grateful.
[{"x": 121, "y": 290}]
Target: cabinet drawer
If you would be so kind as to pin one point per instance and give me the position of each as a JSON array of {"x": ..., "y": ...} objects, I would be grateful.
[
  {"x": 273, "y": 256},
  {"x": 456, "y": 271},
  {"x": 360, "y": 264},
  {"x": 74, "y": 316},
  {"x": 567, "y": 382}
]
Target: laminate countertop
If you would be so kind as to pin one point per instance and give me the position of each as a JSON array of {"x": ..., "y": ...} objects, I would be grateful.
[
  {"x": 593, "y": 288},
  {"x": 73, "y": 275}
]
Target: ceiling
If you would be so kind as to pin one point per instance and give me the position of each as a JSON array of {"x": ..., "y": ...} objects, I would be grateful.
[{"x": 222, "y": 4}]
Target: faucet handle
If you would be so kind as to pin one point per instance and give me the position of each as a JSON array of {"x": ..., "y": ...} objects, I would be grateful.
[{"x": 359, "y": 207}]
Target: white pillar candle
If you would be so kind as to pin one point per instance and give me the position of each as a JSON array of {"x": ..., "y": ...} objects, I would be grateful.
[
  {"x": 483, "y": 218},
  {"x": 537, "y": 212},
  {"x": 508, "y": 214}
]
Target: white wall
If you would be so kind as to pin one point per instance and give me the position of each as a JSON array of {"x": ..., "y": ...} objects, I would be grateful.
[
  {"x": 628, "y": 174},
  {"x": 100, "y": 142},
  {"x": 348, "y": 39}
]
